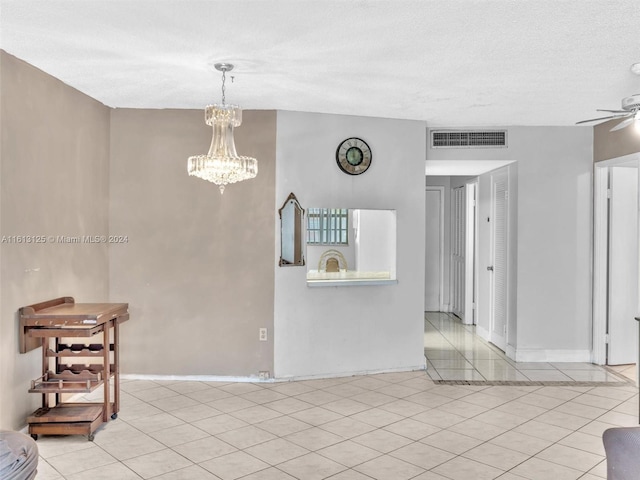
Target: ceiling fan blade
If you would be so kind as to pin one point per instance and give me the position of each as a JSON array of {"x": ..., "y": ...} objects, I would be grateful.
[
  {"x": 611, "y": 111},
  {"x": 596, "y": 119},
  {"x": 625, "y": 123}
]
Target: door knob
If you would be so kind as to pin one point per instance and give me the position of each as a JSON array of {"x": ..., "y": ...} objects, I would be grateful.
[{"x": 490, "y": 268}]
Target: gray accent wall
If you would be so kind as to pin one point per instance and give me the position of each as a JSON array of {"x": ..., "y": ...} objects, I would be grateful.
[
  {"x": 198, "y": 269},
  {"x": 54, "y": 181}
]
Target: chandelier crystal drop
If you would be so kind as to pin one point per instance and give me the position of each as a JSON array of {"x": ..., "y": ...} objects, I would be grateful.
[{"x": 222, "y": 165}]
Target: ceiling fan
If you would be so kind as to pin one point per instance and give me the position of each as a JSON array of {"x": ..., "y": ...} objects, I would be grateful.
[{"x": 630, "y": 112}]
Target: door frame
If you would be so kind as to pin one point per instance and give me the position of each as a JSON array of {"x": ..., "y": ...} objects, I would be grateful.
[
  {"x": 601, "y": 253},
  {"x": 507, "y": 266},
  {"x": 440, "y": 190},
  {"x": 471, "y": 253}
]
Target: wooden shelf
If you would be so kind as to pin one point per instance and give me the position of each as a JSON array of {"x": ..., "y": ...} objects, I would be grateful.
[{"x": 67, "y": 412}]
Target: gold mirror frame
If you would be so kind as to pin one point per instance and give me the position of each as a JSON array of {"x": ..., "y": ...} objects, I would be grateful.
[{"x": 291, "y": 233}]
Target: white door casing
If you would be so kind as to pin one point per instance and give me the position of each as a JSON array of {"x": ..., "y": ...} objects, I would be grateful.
[
  {"x": 470, "y": 255},
  {"x": 623, "y": 266},
  {"x": 434, "y": 252},
  {"x": 499, "y": 264},
  {"x": 458, "y": 250}
]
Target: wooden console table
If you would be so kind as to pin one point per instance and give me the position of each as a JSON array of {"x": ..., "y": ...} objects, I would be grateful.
[{"x": 68, "y": 330}]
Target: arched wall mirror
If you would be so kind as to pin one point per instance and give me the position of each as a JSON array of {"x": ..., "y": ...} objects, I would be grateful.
[{"x": 291, "y": 238}]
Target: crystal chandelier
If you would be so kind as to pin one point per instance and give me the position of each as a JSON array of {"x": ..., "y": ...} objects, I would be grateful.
[{"x": 222, "y": 165}]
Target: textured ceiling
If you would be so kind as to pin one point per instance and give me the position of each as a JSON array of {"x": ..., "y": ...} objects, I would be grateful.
[{"x": 448, "y": 62}]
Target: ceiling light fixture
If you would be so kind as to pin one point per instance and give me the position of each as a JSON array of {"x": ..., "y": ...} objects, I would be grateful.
[
  {"x": 222, "y": 165},
  {"x": 635, "y": 68}
]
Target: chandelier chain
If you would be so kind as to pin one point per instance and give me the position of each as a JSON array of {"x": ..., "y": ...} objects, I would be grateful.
[{"x": 223, "y": 88}]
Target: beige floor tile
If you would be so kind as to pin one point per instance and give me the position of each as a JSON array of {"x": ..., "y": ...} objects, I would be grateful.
[
  {"x": 377, "y": 417},
  {"x": 246, "y": 436},
  {"x": 374, "y": 399},
  {"x": 263, "y": 395},
  {"x": 157, "y": 463},
  {"x": 403, "y": 390},
  {"x": 347, "y": 427},
  {"x": 157, "y": 422},
  {"x": 311, "y": 467},
  {"x": 234, "y": 465},
  {"x": 520, "y": 442},
  {"x": 461, "y": 468},
  {"x": 438, "y": 418},
  {"x": 47, "y": 472},
  {"x": 538, "y": 469},
  {"x": 188, "y": 386},
  {"x": 382, "y": 441},
  {"x": 484, "y": 400},
  {"x": 599, "y": 470},
  {"x": 422, "y": 455},
  {"x": 178, "y": 435},
  {"x": 219, "y": 424},
  {"x": 287, "y": 406},
  {"x": 570, "y": 457},
  {"x": 174, "y": 403},
  {"x": 104, "y": 472},
  {"x": 389, "y": 468},
  {"x": 428, "y": 399},
  {"x": 586, "y": 442},
  {"x": 241, "y": 388},
  {"x": 521, "y": 409},
  {"x": 619, "y": 419},
  {"x": 138, "y": 410},
  {"x": 318, "y": 397},
  {"x": 581, "y": 410},
  {"x": 349, "y": 453},
  {"x": 462, "y": 408},
  {"x": 404, "y": 408},
  {"x": 346, "y": 406},
  {"x": 346, "y": 390},
  {"x": 544, "y": 431},
  {"x": 53, "y": 445},
  {"x": 412, "y": 429},
  {"x": 292, "y": 388},
  {"x": 194, "y": 472},
  {"x": 271, "y": 473},
  {"x": 208, "y": 395},
  {"x": 204, "y": 449},
  {"x": 430, "y": 476},
  {"x": 276, "y": 451},
  {"x": 451, "y": 441},
  {"x": 558, "y": 392},
  {"x": 496, "y": 456},
  {"x": 454, "y": 374},
  {"x": 542, "y": 401},
  {"x": 231, "y": 404},
  {"x": 316, "y": 416},
  {"x": 479, "y": 430},
  {"x": 561, "y": 419},
  {"x": 620, "y": 393},
  {"x": 131, "y": 445},
  {"x": 314, "y": 438},
  {"x": 255, "y": 414},
  {"x": 195, "y": 412},
  {"x": 283, "y": 425},
  {"x": 350, "y": 475},
  {"x": 156, "y": 393}
]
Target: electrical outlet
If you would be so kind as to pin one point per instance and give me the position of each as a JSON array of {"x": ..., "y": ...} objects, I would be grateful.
[
  {"x": 263, "y": 334},
  {"x": 264, "y": 375}
]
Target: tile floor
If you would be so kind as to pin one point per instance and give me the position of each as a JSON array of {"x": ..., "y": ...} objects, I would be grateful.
[
  {"x": 394, "y": 426},
  {"x": 454, "y": 352}
]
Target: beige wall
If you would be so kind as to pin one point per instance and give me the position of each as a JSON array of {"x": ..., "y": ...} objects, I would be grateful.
[
  {"x": 53, "y": 181},
  {"x": 608, "y": 144},
  {"x": 198, "y": 269}
]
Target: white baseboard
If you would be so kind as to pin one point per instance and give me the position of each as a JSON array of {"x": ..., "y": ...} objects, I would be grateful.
[
  {"x": 222, "y": 378},
  {"x": 320, "y": 376},
  {"x": 511, "y": 352},
  {"x": 541, "y": 355},
  {"x": 193, "y": 378},
  {"x": 482, "y": 333}
]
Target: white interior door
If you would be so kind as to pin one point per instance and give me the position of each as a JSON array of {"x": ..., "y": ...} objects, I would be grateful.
[
  {"x": 458, "y": 207},
  {"x": 470, "y": 255},
  {"x": 433, "y": 248},
  {"x": 498, "y": 268},
  {"x": 623, "y": 266}
]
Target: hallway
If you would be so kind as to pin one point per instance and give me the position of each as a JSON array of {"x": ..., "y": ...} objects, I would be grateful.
[{"x": 455, "y": 353}]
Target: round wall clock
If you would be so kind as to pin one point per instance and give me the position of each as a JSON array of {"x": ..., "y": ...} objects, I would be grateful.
[{"x": 353, "y": 156}]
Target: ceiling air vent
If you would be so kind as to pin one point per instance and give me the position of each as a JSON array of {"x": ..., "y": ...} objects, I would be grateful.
[{"x": 468, "y": 138}]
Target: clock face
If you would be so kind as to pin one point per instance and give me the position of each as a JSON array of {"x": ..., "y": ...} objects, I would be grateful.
[{"x": 353, "y": 156}]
